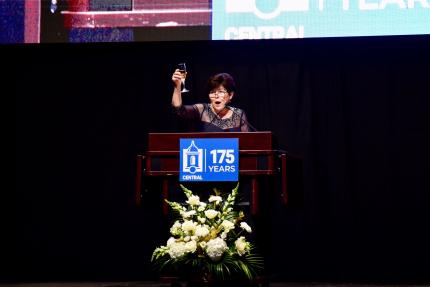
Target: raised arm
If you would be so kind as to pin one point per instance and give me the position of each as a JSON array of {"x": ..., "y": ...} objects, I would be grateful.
[
  {"x": 177, "y": 97},
  {"x": 185, "y": 111}
]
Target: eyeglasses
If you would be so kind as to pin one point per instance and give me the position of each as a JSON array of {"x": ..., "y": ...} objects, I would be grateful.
[{"x": 220, "y": 93}]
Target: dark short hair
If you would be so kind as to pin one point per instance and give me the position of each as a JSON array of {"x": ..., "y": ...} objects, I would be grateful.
[{"x": 224, "y": 79}]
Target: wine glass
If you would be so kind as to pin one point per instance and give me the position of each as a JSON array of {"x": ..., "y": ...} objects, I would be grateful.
[{"x": 183, "y": 70}]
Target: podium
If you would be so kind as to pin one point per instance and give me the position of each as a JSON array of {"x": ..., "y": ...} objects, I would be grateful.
[{"x": 257, "y": 158}]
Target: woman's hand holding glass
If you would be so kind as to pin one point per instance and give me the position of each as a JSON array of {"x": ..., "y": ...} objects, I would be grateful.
[{"x": 177, "y": 79}]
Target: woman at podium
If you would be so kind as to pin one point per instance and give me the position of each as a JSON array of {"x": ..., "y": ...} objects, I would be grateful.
[{"x": 216, "y": 115}]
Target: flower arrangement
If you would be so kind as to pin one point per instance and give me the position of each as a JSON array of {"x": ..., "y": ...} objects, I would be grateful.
[{"x": 209, "y": 238}]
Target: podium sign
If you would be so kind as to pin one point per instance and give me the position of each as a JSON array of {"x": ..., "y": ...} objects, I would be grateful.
[
  {"x": 252, "y": 151},
  {"x": 209, "y": 159}
]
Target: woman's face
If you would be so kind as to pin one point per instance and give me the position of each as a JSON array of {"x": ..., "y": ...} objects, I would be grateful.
[{"x": 219, "y": 98}]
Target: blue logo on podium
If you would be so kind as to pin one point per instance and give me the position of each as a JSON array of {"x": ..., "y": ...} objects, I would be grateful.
[{"x": 209, "y": 159}]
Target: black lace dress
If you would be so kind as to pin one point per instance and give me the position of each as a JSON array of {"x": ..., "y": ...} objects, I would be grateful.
[{"x": 208, "y": 121}]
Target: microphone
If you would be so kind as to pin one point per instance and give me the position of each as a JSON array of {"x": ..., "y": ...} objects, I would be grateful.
[{"x": 243, "y": 120}]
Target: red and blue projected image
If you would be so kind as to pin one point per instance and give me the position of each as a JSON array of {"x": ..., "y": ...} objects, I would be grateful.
[
  {"x": 36, "y": 21},
  {"x": 39, "y": 21}
]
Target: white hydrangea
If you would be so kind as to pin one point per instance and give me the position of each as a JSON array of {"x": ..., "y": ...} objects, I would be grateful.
[
  {"x": 193, "y": 200},
  {"x": 215, "y": 248},
  {"x": 170, "y": 241},
  {"x": 216, "y": 199},
  {"x": 245, "y": 226},
  {"x": 176, "y": 249},
  {"x": 211, "y": 213},
  {"x": 191, "y": 246},
  {"x": 241, "y": 245},
  {"x": 201, "y": 231},
  {"x": 189, "y": 226}
]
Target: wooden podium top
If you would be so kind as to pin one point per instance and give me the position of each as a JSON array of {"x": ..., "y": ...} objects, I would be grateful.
[
  {"x": 257, "y": 158},
  {"x": 261, "y": 141}
]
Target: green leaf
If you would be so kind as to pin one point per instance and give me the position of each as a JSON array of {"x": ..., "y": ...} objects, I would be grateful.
[{"x": 188, "y": 193}]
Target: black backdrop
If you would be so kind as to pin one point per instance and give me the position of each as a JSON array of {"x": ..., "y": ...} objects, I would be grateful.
[{"x": 355, "y": 109}]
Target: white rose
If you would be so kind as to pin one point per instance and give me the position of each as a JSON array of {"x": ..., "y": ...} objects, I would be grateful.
[
  {"x": 227, "y": 225},
  {"x": 211, "y": 214},
  {"x": 191, "y": 246},
  {"x": 217, "y": 199},
  {"x": 193, "y": 200},
  {"x": 241, "y": 245},
  {"x": 189, "y": 226},
  {"x": 245, "y": 226},
  {"x": 201, "y": 219},
  {"x": 202, "y": 206},
  {"x": 215, "y": 248},
  {"x": 188, "y": 214},
  {"x": 202, "y": 231}
]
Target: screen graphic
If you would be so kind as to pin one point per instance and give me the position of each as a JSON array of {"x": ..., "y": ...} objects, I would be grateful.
[
  {"x": 38, "y": 21},
  {"x": 274, "y": 19}
]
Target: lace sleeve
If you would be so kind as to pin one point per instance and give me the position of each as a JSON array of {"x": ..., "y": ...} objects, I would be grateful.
[
  {"x": 190, "y": 112},
  {"x": 244, "y": 127}
]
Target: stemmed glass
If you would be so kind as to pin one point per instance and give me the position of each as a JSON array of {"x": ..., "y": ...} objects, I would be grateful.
[{"x": 183, "y": 70}]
